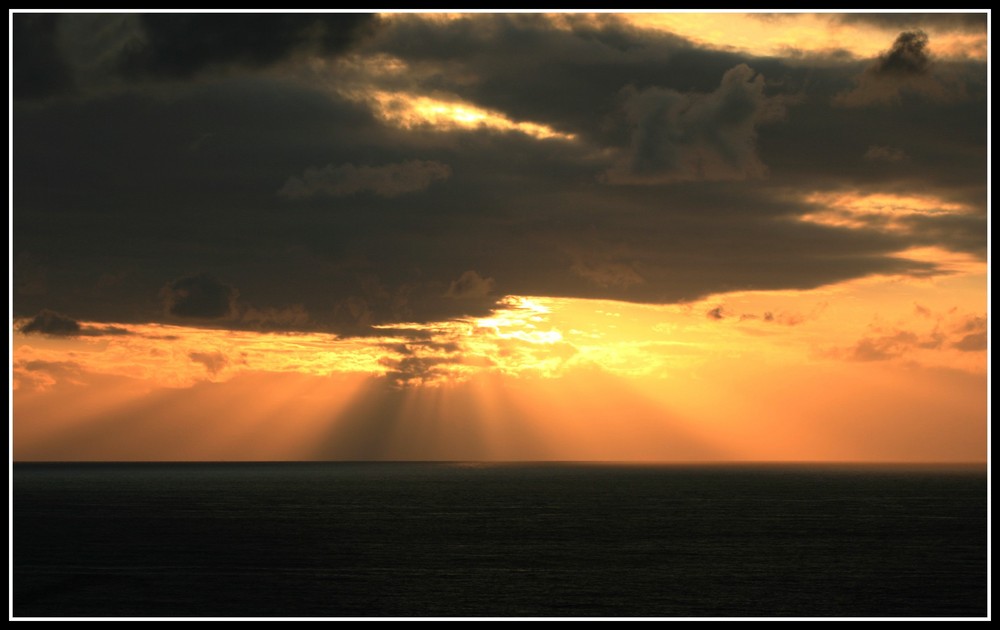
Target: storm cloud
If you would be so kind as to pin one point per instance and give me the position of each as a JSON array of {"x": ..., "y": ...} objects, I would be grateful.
[{"x": 254, "y": 148}]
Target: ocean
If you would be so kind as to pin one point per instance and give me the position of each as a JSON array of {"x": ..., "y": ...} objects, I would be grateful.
[{"x": 498, "y": 540}]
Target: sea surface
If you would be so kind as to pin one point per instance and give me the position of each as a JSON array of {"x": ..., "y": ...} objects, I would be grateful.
[{"x": 498, "y": 540}]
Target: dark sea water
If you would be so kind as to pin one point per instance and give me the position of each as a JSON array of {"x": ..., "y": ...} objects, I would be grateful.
[{"x": 466, "y": 540}]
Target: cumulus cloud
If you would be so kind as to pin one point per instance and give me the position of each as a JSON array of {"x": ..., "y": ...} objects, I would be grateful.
[
  {"x": 470, "y": 285},
  {"x": 679, "y": 136},
  {"x": 904, "y": 68},
  {"x": 200, "y": 296},
  {"x": 390, "y": 180}
]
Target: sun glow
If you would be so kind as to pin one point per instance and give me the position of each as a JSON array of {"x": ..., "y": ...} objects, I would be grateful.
[
  {"x": 883, "y": 211},
  {"x": 790, "y": 34},
  {"x": 414, "y": 111},
  {"x": 539, "y": 378}
]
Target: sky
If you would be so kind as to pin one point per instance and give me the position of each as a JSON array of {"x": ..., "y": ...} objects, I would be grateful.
[{"x": 672, "y": 237}]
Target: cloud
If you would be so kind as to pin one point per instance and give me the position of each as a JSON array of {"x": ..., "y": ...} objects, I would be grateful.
[
  {"x": 39, "y": 375},
  {"x": 966, "y": 333},
  {"x": 715, "y": 313},
  {"x": 883, "y": 347},
  {"x": 679, "y": 136},
  {"x": 973, "y": 333},
  {"x": 291, "y": 317},
  {"x": 904, "y": 68},
  {"x": 606, "y": 273},
  {"x": 390, "y": 180},
  {"x": 973, "y": 342},
  {"x": 180, "y": 45},
  {"x": 470, "y": 285},
  {"x": 214, "y": 362},
  {"x": 784, "y": 318},
  {"x": 877, "y": 153},
  {"x": 200, "y": 296},
  {"x": 518, "y": 211},
  {"x": 39, "y": 68},
  {"x": 51, "y": 323},
  {"x": 410, "y": 370},
  {"x": 908, "y": 56}
]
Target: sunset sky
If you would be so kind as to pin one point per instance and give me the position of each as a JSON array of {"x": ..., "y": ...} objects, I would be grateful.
[{"x": 620, "y": 237}]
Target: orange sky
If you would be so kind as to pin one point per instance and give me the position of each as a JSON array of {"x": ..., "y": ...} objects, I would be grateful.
[{"x": 870, "y": 370}]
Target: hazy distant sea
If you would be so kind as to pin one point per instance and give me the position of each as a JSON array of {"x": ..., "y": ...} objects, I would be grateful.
[{"x": 471, "y": 540}]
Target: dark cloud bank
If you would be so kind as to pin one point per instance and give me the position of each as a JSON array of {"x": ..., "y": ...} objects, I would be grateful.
[{"x": 222, "y": 175}]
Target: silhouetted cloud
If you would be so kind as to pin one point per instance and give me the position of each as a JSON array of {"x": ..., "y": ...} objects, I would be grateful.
[
  {"x": 908, "y": 56},
  {"x": 52, "y": 323},
  {"x": 200, "y": 296},
  {"x": 214, "y": 362},
  {"x": 904, "y": 68}
]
